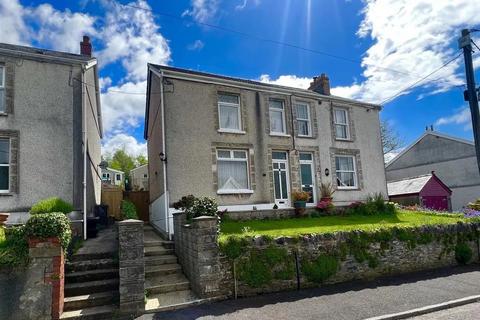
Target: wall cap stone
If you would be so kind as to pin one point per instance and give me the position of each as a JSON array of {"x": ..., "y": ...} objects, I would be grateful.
[{"x": 130, "y": 221}]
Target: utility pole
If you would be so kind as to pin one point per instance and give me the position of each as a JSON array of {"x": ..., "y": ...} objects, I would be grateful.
[{"x": 465, "y": 43}]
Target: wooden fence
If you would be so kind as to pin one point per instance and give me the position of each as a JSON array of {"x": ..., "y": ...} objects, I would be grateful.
[
  {"x": 112, "y": 197},
  {"x": 141, "y": 201}
]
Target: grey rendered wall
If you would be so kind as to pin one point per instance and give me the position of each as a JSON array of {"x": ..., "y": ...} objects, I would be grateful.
[
  {"x": 192, "y": 137},
  {"x": 452, "y": 162},
  {"x": 43, "y": 104}
]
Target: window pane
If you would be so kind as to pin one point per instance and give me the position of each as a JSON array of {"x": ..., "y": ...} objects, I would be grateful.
[
  {"x": 284, "y": 185},
  {"x": 2, "y": 81},
  {"x": 340, "y": 116},
  {"x": 305, "y": 156},
  {"x": 303, "y": 128},
  {"x": 228, "y": 98},
  {"x": 224, "y": 154},
  {"x": 346, "y": 179},
  {"x": 276, "y": 179},
  {"x": 239, "y": 154},
  {"x": 341, "y": 131},
  {"x": 277, "y": 104},
  {"x": 4, "y": 151},
  {"x": 344, "y": 163},
  {"x": 302, "y": 111},
  {"x": 279, "y": 155},
  {"x": 229, "y": 117},
  {"x": 306, "y": 173},
  {"x": 276, "y": 121},
  {"x": 232, "y": 175},
  {"x": 2, "y": 100},
  {"x": 4, "y": 178}
]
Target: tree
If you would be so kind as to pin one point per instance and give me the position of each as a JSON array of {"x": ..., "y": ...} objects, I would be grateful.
[
  {"x": 391, "y": 141},
  {"x": 141, "y": 160},
  {"x": 122, "y": 161}
]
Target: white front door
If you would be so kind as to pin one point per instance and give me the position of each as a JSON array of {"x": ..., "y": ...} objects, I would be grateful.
[
  {"x": 281, "y": 180},
  {"x": 307, "y": 174}
]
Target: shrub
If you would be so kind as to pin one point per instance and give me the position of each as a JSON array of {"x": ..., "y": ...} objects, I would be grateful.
[
  {"x": 326, "y": 190},
  {"x": 13, "y": 247},
  {"x": 320, "y": 269},
  {"x": 128, "y": 210},
  {"x": 50, "y": 205},
  {"x": 185, "y": 203},
  {"x": 325, "y": 207},
  {"x": 16, "y": 236},
  {"x": 375, "y": 204},
  {"x": 46, "y": 225},
  {"x": 202, "y": 207},
  {"x": 463, "y": 253}
]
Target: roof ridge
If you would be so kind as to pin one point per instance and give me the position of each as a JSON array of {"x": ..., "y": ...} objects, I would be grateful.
[{"x": 411, "y": 178}]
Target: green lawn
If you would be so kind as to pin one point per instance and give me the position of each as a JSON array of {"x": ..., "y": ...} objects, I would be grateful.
[{"x": 298, "y": 226}]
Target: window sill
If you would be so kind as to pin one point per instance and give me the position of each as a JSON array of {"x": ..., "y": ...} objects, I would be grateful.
[
  {"x": 344, "y": 140},
  {"x": 284, "y": 135},
  {"x": 233, "y": 191},
  {"x": 307, "y": 137},
  {"x": 6, "y": 194},
  {"x": 348, "y": 189},
  {"x": 3, "y": 114},
  {"x": 231, "y": 131}
]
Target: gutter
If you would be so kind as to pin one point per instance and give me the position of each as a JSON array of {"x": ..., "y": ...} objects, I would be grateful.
[{"x": 164, "y": 161}]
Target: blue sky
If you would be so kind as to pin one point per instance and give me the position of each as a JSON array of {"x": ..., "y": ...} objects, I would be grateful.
[{"x": 389, "y": 44}]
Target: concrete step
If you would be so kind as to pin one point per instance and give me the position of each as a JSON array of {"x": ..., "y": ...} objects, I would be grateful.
[
  {"x": 90, "y": 300},
  {"x": 170, "y": 301},
  {"x": 91, "y": 265},
  {"x": 92, "y": 256},
  {"x": 161, "y": 270},
  {"x": 167, "y": 283},
  {"x": 82, "y": 288},
  {"x": 157, "y": 251},
  {"x": 94, "y": 313},
  {"x": 158, "y": 260},
  {"x": 91, "y": 275},
  {"x": 155, "y": 242}
]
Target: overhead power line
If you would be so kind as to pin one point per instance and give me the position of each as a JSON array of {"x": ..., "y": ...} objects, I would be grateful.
[{"x": 420, "y": 80}]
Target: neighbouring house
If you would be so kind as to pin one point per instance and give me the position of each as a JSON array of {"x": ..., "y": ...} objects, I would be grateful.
[
  {"x": 139, "y": 178},
  {"x": 112, "y": 176},
  {"x": 426, "y": 190},
  {"x": 47, "y": 100},
  {"x": 453, "y": 160},
  {"x": 249, "y": 144}
]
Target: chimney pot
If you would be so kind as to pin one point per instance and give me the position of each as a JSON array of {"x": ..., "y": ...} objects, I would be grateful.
[
  {"x": 320, "y": 84},
  {"x": 86, "y": 46}
]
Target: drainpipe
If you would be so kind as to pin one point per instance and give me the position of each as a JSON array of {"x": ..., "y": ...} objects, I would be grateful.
[
  {"x": 84, "y": 132},
  {"x": 164, "y": 161}
]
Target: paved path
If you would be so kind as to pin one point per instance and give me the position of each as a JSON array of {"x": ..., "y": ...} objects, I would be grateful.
[
  {"x": 466, "y": 312},
  {"x": 351, "y": 301}
]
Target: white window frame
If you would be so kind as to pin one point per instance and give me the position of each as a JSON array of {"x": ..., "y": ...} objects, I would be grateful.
[
  {"x": 346, "y": 124},
  {"x": 270, "y": 109},
  {"x": 239, "y": 113},
  {"x": 233, "y": 159},
  {"x": 7, "y": 165},
  {"x": 355, "y": 177},
  {"x": 2, "y": 88},
  {"x": 281, "y": 202},
  {"x": 308, "y": 119}
]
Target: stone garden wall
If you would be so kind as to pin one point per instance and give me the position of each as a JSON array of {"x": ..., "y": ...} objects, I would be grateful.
[{"x": 249, "y": 266}]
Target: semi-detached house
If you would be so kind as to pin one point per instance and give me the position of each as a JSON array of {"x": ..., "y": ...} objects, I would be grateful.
[{"x": 250, "y": 144}]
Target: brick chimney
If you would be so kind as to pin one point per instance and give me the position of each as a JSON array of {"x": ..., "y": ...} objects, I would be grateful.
[
  {"x": 320, "y": 85},
  {"x": 86, "y": 47}
]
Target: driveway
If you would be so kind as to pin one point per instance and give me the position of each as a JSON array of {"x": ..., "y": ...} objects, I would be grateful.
[{"x": 357, "y": 300}]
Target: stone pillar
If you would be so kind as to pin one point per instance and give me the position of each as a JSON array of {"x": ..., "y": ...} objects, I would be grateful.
[
  {"x": 44, "y": 293},
  {"x": 131, "y": 267}
]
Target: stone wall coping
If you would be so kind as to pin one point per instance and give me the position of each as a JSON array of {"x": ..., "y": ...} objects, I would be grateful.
[
  {"x": 131, "y": 221},
  {"x": 205, "y": 218},
  {"x": 178, "y": 213}
]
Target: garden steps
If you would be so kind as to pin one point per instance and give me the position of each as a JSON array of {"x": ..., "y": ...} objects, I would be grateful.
[
  {"x": 80, "y": 288},
  {"x": 90, "y": 300},
  {"x": 91, "y": 275},
  {"x": 158, "y": 260},
  {"x": 157, "y": 250},
  {"x": 93, "y": 313},
  {"x": 163, "y": 269},
  {"x": 91, "y": 256},
  {"x": 167, "y": 283},
  {"x": 148, "y": 242},
  {"x": 94, "y": 264}
]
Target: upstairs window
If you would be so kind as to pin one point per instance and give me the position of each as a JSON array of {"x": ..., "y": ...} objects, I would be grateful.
[
  {"x": 277, "y": 117},
  {"x": 303, "y": 120},
  {"x": 340, "y": 119},
  {"x": 2, "y": 88},
  {"x": 229, "y": 112},
  {"x": 346, "y": 172},
  {"x": 4, "y": 165},
  {"x": 232, "y": 169}
]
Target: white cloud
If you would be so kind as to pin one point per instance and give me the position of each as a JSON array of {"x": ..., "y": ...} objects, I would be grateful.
[
  {"x": 196, "y": 45},
  {"x": 132, "y": 36},
  {"x": 14, "y": 29},
  {"x": 126, "y": 142},
  {"x": 120, "y": 110},
  {"x": 202, "y": 10},
  {"x": 288, "y": 80},
  {"x": 244, "y": 4},
  {"x": 392, "y": 154},
  {"x": 461, "y": 116}
]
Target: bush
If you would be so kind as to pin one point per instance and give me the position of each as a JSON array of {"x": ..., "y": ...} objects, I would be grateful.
[
  {"x": 13, "y": 247},
  {"x": 300, "y": 196},
  {"x": 196, "y": 207},
  {"x": 186, "y": 202},
  {"x": 50, "y": 205},
  {"x": 46, "y": 225},
  {"x": 129, "y": 211},
  {"x": 325, "y": 207},
  {"x": 375, "y": 204},
  {"x": 463, "y": 253}
]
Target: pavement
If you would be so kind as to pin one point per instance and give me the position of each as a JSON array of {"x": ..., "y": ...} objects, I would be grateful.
[
  {"x": 355, "y": 300},
  {"x": 466, "y": 312}
]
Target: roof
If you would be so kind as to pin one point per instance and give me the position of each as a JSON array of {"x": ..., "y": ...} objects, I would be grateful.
[
  {"x": 173, "y": 72},
  {"x": 114, "y": 170},
  {"x": 33, "y": 52},
  {"x": 139, "y": 167},
  {"x": 408, "y": 185},
  {"x": 426, "y": 133}
]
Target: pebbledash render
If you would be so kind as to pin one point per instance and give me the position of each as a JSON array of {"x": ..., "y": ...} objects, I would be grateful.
[{"x": 249, "y": 144}]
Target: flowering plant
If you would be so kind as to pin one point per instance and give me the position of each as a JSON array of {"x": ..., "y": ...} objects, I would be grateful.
[
  {"x": 471, "y": 213},
  {"x": 325, "y": 206}
]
